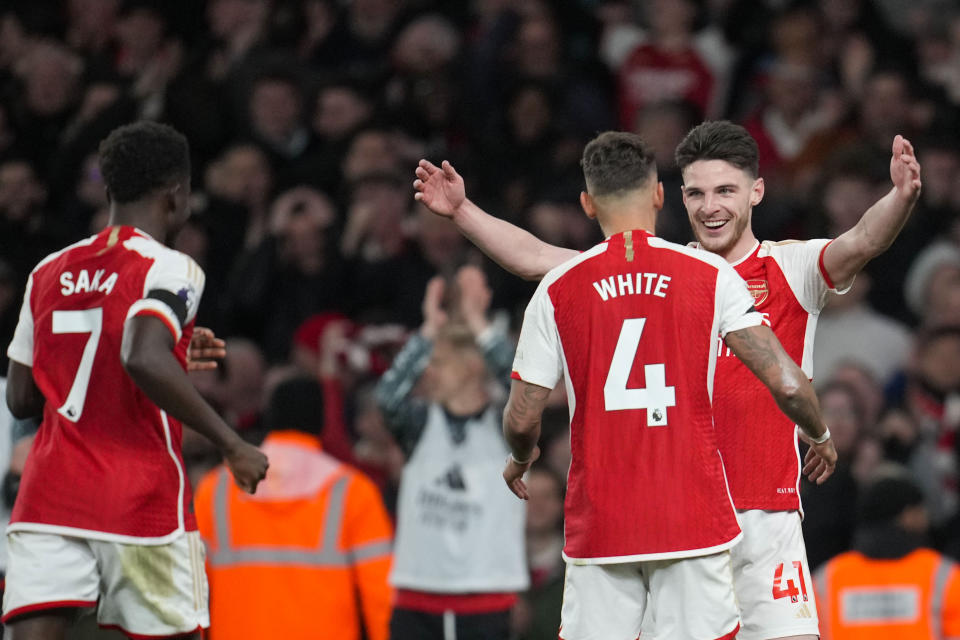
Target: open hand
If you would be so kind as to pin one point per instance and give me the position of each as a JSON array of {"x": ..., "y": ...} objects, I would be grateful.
[
  {"x": 474, "y": 297},
  {"x": 513, "y": 474},
  {"x": 205, "y": 350},
  {"x": 904, "y": 169},
  {"x": 820, "y": 461},
  {"x": 441, "y": 188},
  {"x": 434, "y": 317}
]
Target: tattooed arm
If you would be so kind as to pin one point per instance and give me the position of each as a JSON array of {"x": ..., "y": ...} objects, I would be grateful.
[
  {"x": 758, "y": 348},
  {"x": 521, "y": 428}
]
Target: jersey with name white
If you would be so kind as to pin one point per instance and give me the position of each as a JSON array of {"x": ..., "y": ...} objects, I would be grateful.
[
  {"x": 630, "y": 325},
  {"x": 106, "y": 462},
  {"x": 758, "y": 442}
]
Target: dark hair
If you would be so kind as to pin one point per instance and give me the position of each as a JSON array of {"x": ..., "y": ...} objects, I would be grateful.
[
  {"x": 617, "y": 161},
  {"x": 296, "y": 404},
  {"x": 138, "y": 158},
  {"x": 719, "y": 140},
  {"x": 886, "y": 498}
]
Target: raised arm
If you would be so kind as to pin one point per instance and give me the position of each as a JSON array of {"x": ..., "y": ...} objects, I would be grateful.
[
  {"x": 521, "y": 428},
  {"x": 758, "y": 348},
  {"x": 147, "y": 356},
  {"x": 878, "y": 228},
  {"x": 521, "y": 253}
]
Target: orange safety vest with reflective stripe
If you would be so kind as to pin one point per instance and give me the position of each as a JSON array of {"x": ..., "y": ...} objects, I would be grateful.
[
  {"x": 916, "y": 597},
  {"x": 306, "y": 557}
]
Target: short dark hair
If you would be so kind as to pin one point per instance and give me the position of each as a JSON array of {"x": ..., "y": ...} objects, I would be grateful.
[
  {"x": 617, "y": 161},
  {"x": 296, "y": 404},
  {"x": 719, "y": 140},
  {"x": 138, "y": 158},
  {"x": 886, "y": 498}
]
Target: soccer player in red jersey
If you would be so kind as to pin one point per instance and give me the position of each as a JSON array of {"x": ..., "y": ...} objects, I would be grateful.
[
  {"x": 631, "y": 327},
  {"x": 104, "y": 514},
  {"x": 789, "y": 282}
]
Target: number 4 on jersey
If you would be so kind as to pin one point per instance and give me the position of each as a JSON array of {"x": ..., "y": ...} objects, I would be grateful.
[{"x": 655, "y": 397}]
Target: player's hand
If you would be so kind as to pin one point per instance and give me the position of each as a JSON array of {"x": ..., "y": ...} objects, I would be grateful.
[
  {"x": 905, "y": 170},
  {"x": 475, "y": 297},
  {"x": 820, "y": 461},
  {"x": 205, "y": 350},
  {"x": 434, "y": 317},
  {"x": 440, "y": 188},
  {"x": 513, "y": 474},
  {"x": 248, "y": 465}
]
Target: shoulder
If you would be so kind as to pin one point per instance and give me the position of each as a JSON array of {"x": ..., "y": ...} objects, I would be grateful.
[
  {"x": 170, "y": 258},
  {"x": 791, "y": 248},
  {"x": 690, "y": 251},
  {"x": 62, "y": 253},
  {"x": 562, "y": 269}
]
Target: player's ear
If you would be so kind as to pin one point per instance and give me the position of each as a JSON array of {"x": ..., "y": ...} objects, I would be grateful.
[
  {"x": 171, "y": 198},
  {"x": 589, "y": 207},
  {"x": 756, "y": 193},
  {"x": 658, "y": 197}
]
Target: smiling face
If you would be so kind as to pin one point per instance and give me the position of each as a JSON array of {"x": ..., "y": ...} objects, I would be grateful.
[{"x": 719, "y": 199}]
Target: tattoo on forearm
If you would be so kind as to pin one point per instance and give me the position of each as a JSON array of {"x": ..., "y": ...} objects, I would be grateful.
[
  {"x": 754, "y": 349},
  {"x": 522, "y": 418}
]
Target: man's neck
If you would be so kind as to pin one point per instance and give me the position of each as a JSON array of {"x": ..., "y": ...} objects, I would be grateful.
[
  {"x": 741, "y": 248},
  {"x": 618, "y": 223},
  {"x": 136, "y": 215}
]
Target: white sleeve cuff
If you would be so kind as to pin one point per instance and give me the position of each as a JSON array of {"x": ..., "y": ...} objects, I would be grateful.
[{"x": 159, "y": 309}]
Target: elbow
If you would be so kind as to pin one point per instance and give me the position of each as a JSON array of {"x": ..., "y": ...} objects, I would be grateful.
[
  {"x": 531, "y": 275},
  {"x": 135, "y": 363},
  {"x": 21, "y": 408},
  {"x": 790, "y": 393},
  {"x": 24, "y": 403}
]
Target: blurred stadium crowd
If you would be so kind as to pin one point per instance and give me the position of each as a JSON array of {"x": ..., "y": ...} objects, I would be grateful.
[{"x": 306, "y": 119}]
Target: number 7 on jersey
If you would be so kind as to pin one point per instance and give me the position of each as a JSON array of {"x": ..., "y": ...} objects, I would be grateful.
[
  {"x": 655, "y": 397},
  {"x": 86, "y": 321}
]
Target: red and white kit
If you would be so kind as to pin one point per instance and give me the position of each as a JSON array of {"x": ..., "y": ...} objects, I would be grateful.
[
  {"x": 631, "y": 326},
  {"x": 106, "y": 462},
  {"x": 759, "y": 443}
]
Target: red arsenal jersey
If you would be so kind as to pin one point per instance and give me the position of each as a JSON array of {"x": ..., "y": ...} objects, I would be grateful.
[
  {"x": 631, "y": 326},
  {"x": 759, "y": 442},
  {"x": 106, "y": 461}
]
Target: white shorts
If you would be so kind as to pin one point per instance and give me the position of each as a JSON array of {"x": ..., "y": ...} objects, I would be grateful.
[
  {"x": 690, "y": 598},
  {"x": 771, "y": 577},
  {"x": 140, "y": 589}
]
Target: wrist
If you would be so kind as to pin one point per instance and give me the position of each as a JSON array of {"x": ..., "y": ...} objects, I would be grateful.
[
  {"x": 523, "y": 461},
  {"x": 823, "y": 437}
]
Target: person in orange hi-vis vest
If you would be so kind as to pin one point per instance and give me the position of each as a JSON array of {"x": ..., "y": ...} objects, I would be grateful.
[
  {"x": 890, "y": 585},
  {"x": 309, "y": 556}
]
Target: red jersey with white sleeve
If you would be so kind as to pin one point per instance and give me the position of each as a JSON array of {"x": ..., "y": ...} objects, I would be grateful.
[
  {"x": 106, "y": 461},
  {"x": 630, "y": 325},
  {"x": 758, "y": 442}
]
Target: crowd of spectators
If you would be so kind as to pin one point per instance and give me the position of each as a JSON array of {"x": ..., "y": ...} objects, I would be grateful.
[{"x": 306, "y": 119}]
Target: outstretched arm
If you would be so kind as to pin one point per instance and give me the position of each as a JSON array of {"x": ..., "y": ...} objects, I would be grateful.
[
  {"x": 878, "y": 228},
  {"x": 521, "y": 253},
  {"x": 521, "y": 428},
  {"x": 758, "y": 348}
]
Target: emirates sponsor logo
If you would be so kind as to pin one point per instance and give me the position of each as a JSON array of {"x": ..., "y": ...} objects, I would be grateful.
[{"x": 759, "y": 290}]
